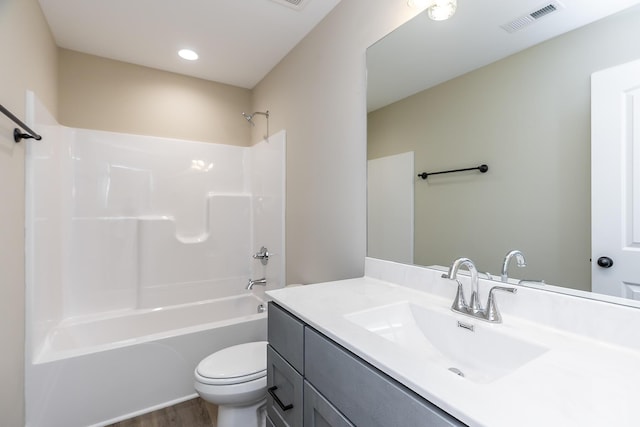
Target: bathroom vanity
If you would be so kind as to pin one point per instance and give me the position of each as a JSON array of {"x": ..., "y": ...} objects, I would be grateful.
[
  {"x": 387, "y": 350},
  {"x": 313, "y": 381}
]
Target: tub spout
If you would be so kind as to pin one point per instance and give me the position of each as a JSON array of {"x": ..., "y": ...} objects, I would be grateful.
[{"x": 252, "y": 282}]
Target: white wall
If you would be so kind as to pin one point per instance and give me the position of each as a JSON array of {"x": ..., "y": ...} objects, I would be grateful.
[{"x": 318, "y": 93}]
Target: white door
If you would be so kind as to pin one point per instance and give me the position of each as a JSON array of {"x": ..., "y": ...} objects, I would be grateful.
[
  {"x": 615, "y": 181},
  {"x": 390, "y": 208}
]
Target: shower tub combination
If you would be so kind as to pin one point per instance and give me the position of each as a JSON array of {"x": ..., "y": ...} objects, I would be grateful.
[
  {"x": 100, "y": 371},
  {"x": 139, "y": 251}
]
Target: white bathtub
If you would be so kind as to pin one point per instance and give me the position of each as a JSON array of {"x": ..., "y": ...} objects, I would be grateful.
[{"x": 105, "y": 369}]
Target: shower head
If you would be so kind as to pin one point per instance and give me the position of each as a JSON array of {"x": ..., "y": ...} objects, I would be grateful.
[{"x": 249, "y": 117}]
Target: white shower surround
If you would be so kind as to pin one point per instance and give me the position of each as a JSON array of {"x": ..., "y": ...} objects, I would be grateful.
[{"x": 126, "y": 230}]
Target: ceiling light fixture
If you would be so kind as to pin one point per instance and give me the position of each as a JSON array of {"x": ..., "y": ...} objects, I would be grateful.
[
  {"x": 438, "y": 10},
  {"x": 442, "y": 9},
  {"x": 188, "y": 54}
]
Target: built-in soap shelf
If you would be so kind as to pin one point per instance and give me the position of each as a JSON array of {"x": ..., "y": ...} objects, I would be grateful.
[{"x": 219, "y": 207}]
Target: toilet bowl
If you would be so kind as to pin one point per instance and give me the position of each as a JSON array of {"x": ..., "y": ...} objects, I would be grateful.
[{"x": 235, "y": 379}]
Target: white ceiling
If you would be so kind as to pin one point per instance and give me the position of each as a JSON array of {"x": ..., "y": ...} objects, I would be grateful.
[
  {"x": 423, "y": 53},
  {"x": 239, "y": 41}
]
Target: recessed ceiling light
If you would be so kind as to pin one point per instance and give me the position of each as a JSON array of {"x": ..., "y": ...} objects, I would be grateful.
[
  {"x": 188, "y": 54},
  {"x": 438, "y": 10},
  {"x": 442, "y": 10}
]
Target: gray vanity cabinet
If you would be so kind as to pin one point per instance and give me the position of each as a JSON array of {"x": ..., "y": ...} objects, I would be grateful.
[
  {"x": 318, "y": 383},
  {"x": 318, "y": 412},
  {"x": 285, "y": 386},
  {"x": 285, "y": 360}
]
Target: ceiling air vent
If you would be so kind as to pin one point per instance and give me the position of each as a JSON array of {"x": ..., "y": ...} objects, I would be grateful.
[
  {"x": 528, "y": 19},
  {"x": 293, "y": 4}
]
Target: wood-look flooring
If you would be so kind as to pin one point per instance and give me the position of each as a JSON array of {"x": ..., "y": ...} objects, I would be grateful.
[{"x": 192, "y": 413}]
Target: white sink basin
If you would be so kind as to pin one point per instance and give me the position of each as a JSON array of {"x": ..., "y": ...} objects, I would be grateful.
[{"x": 482, "y": 355}]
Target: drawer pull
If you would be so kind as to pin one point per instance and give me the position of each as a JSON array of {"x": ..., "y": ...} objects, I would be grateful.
[{"x": 282, "y": 406}]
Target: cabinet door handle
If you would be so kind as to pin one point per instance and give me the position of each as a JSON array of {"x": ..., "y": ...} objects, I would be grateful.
[{"x": 272, "y": 392}]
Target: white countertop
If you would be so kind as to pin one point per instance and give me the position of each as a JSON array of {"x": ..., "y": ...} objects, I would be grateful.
[{"x": 579, "y": 381}]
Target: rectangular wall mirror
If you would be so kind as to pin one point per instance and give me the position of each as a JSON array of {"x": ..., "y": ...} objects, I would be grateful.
[{"x": 473, "y": 90}]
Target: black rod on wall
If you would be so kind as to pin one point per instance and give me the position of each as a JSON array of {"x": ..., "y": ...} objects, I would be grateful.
[
  {"x": 481, "y": 168},
  {"x": 17, "y": 134}
]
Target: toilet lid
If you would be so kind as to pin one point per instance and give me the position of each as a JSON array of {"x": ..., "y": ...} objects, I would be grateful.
[{"x": 236, "y": 364}]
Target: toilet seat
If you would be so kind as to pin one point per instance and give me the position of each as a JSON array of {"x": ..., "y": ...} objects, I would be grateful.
[{"x": 234, "y": 365}]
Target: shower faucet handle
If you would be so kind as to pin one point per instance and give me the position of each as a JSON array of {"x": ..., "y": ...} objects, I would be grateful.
[{"x": 263, "y": 255}]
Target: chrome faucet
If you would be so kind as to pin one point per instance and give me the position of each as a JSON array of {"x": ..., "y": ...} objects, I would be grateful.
[
  {"x": 474, "y": 303},
  {"x": 521, "y": 262},
  {"x": 252, "y": 283},
  {"x": 474, "y": 309}
]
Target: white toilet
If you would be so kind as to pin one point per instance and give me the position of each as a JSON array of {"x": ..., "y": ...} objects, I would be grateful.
[{"x": 235, "y": 379}]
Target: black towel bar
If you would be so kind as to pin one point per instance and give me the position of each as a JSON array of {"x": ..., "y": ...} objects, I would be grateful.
[
  {"x": 18, "y": 135},
  {"x": 481, "y": 168}
]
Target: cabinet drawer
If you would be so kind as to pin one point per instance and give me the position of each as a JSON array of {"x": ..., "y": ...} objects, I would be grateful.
[
  {"x": 284, "y": 401},
  {"x": 286, "y": 336},
  {"x": 366, "y": 396},
  {"x": 318, "y": 412}
]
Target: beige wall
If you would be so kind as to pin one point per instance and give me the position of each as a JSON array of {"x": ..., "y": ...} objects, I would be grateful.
[
  {"x": 100, "y": 93},
  {"x": 28, "y": 62},
  {"x": 528, "y": 118},
  {"x": 318, "y": 93}
]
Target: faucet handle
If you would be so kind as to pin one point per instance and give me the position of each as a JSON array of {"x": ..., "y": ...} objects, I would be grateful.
[
  {"x": 492, "y": 314},
  {"x": 459, "y": 303},
  {"x": 263, "y": 255}
]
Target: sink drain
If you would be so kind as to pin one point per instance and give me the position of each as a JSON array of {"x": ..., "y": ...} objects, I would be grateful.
[{"x": 457, "y": 372}]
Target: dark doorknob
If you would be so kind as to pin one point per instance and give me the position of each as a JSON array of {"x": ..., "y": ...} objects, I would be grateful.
[{"x": 605, "y": 262}]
